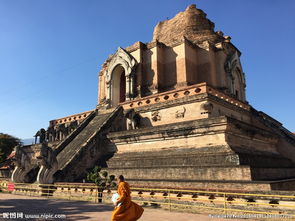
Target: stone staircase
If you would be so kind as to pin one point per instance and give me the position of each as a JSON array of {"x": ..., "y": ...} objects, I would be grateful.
[
  {"x": 81, "y": 140},
  {"x": 84, "y": 147}
]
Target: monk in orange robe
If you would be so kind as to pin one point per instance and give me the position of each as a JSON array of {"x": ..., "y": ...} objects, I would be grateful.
[{"x": 125, "y": 209}]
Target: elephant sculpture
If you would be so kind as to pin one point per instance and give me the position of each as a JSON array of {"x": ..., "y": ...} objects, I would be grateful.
[
  {"x": 50, "y": 134},
  {"x": 72, "y": 126},
  {"x": 61, "y": 132},
  {"x": 132, "y": 120},
  {"x": 41, "y": 134}
]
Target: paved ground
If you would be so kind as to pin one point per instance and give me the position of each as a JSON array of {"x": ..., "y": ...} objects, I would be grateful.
[{"x": 19, "y": 205}]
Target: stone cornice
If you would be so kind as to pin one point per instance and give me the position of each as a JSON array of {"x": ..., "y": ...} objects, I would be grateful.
[
  {"x": 171, "y": 131},
  {"x": 185, "y": 94},
  {"x": 70, "y": 118}
]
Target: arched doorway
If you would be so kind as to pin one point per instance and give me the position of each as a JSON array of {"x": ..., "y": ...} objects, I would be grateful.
[
  {"x": 118, "y": 82},
  {"x": 117, "y": 87}
]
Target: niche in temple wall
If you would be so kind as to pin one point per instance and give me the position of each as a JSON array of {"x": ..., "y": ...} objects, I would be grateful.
[
  {"x": 235, "y": 77},
  {"x": 120, "y": 78}
]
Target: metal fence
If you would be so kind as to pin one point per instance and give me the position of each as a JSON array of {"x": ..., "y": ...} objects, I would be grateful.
[{"x": 280, "y": 206}]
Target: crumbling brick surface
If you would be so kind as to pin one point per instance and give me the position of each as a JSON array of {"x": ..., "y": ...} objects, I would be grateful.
[{"x": 191, "y": 24}]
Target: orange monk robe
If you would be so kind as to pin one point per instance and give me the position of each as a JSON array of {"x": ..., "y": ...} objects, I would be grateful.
[{"x": 128, "y": 211}]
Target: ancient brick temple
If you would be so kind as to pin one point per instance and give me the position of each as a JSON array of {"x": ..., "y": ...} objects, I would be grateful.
[{"x": 171, "y": 113}]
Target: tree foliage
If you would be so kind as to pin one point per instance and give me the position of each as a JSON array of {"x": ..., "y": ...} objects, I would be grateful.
[
  {"x": 7, "y": 143},
  {"x": 101, "y": 178}
]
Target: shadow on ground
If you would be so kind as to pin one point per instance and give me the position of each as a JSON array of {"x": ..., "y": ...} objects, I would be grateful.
[{"x": 74, "y": 210}]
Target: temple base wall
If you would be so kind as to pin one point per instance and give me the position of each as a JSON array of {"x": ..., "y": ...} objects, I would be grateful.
[{"x": 215, "y": 153}]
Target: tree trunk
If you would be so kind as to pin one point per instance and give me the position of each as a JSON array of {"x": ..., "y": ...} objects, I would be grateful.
[{"x": 99, "y": 195}]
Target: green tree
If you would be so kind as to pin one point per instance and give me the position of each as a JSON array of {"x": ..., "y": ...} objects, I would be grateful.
[
  {"x": 7, "y": 143},
  {"x": 102, "y": 179}
]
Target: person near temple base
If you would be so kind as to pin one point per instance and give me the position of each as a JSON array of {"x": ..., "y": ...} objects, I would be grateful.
[{"x": 125, "y": 209}]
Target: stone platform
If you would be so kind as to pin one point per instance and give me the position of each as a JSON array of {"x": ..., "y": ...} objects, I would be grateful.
[{"x": 202, "y": 154}]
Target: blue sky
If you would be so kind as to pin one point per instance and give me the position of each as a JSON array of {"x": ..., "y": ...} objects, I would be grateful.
[{"x": 51, "y": 52}]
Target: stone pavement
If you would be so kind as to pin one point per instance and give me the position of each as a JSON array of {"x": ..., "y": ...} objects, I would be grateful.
[{"x": 80, "y": 210}]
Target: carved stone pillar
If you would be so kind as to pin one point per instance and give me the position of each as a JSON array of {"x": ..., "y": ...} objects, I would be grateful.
[
  {"x": 128, "y": 88},
  {"x": 132, "y": 86},
  {"x": 108, "y": 91}
]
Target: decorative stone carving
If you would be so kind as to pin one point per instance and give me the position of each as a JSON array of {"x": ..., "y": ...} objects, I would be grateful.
[
  {"x": 206, "y": 108},
  {"x": 235, "y": 76},
  {"x": 48, "y": 165},
  {"x": 41, "y": 134},
  {"x": 61, "y": 131},
  {"x": 138, "y": 88},
  {"x": 23, "y": 165},
  {"x": 180, "y": 113},
  {"x": 50, "y": 134},
  {"x": 132, "y": 120},
  {"x": 72, "y": 126},
  {"x": 124, "y": 59},
  {"x": 156, "y": 116}
]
